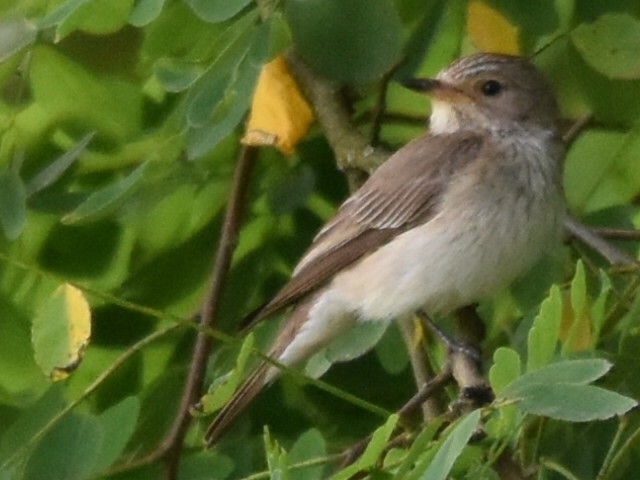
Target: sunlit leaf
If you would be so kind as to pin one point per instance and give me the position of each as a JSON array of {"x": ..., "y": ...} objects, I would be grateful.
[
  {"x": 490, "y": 31},
  {"x": 60, "y": 332},
  {"x": 280, "y": 115},
  {"x": 13, "y": 197},
  {"x": 505, "y": 369},
  {"x": 97, "y": 17},
  {"x": 610, "y": 45},
  {"x": 543, "y": 336},
  {"x": 64, "y": 90},
  {"x": 601, "y": 169},
  {"x": 62, "y": 12}
]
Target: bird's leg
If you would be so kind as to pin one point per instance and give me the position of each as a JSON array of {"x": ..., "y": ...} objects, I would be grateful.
[{"x": 465, "y": 362}]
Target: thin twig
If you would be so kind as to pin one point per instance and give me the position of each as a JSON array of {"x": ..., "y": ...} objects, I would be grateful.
[
  {"x": 588, "y": 236},
  {"x": 171, "y": 447},
  {"x": 576, "y": 128},
  {"x": 228, "y": 241},
  {"x": 617, "y": 233},
  {"x": 352, "y": 149},
  {"x": 423, "y": 371},
  {"x": 432, "y": 387}
]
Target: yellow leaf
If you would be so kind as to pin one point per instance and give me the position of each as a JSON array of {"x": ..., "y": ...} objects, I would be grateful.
[
  {"x": 60, "y": 332},
  {"x": 490, "y": 31},
  {"x": 280, "y": 115}
]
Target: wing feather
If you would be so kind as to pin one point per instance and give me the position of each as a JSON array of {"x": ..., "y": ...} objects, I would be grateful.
[{"x": 404, "y": 192}]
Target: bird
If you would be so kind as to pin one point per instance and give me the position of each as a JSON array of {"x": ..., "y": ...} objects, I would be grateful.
[{"x": 449, "y": 219}]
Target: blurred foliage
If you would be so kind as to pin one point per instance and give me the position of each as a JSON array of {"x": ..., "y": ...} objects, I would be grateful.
[{"x": 120, "y": 124}]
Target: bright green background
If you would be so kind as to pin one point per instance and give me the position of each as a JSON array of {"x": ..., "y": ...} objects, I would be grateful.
[{"x": 120, "y": 123}]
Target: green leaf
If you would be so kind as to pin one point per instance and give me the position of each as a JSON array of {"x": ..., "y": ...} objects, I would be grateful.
[
  {"x": 308, "y": 446},
  {"x": 505, "y": 369},
  {"x": 452, "y": 447},
  {"x": 64, "y": 91},
  {"x": 217, "y": 10},
  {"x": 50, "y": 174},
  {"x": 579, "y": 290},
  {"x": 277, "y": 460},
  {"x": 104, "y": 201},
  {"x": 351, "y": 344},
  {"x": 118, "y": 424},
  {"x": 350, "y": 41},
  {"x": 15, "y": 34},
  {"x": 392, "y": 351},
  {"x": 574, "y": 372},
  {"x": 69, "y": 451},
  {"x": 220, "y": 392},
  {"x": 211, "y": 87},
  {"x": 61, "y": 13},
  {"x": 176, "y": 75},
  {"x": 610, "y": 45},
  {"x": 580, "y": 335},
  {"x": 418, "y": 448},
  {"x": 205, "y": 465},
  {"x": 374, "y": 450},
  {"x": 13, "y": 204},
  {"x": 145, "y": 11},
  {"x": 572, "y": 402},
  {"x": 227, "y": 113},
  {"x": 31, "y": 420},
  {"x": 98, "y": 17},
  {"x": 601, "y": 171},
  {"x": 543, "y": 335},
  {"x": 60, "y": 332}
]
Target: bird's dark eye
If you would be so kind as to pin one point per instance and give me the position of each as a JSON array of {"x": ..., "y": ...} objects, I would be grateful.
[{"x": 491, "y": 88}]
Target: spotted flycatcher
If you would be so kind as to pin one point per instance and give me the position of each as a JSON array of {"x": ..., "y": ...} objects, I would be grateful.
[{"x": 449, "y": 219}]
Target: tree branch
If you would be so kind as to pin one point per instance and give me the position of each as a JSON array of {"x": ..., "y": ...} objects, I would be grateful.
[
  {"x": 172, "y": 444},
  {"x": 352, "y": 149},
  {"x": 170, "y": 449}
]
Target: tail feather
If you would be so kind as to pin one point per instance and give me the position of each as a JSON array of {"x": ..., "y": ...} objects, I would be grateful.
[
  {"x": 250, "y": 389},
  {"x": 264, "y": 374}
]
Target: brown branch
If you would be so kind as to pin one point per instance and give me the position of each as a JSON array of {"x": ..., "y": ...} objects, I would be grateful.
[
  {"x": 352, "y": 149},
  {"x": 421, "y": 366},
  {"x": 428, "y": 390},
  {"x": 172, "y": 444},
  {"x": 617, "y": 233},
  {"x": 170, "y": 449},
  {"x": 589, "y": 237}
]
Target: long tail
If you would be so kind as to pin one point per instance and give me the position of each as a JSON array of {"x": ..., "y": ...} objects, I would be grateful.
[
  {"x": 249, "y": 390},
  {"x": 263, "y": 375}
]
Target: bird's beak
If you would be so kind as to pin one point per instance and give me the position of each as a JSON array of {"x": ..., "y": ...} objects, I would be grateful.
[
  {"x": 422, "y": 84},
  {"x": 432, "y": 87}
]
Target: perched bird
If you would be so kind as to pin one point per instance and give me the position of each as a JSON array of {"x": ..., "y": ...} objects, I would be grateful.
[{"x": 449, "y": 219}]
